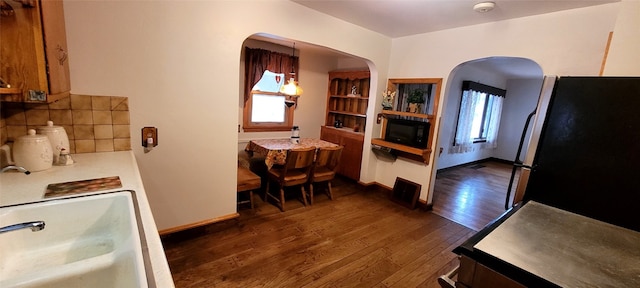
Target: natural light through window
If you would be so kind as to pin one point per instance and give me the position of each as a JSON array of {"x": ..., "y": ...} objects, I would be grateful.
[
  {"x": 267, "y": 108},
  {"x": 477, "y": 116}
]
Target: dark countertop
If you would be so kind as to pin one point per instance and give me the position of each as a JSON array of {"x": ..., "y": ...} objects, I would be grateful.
[{"x": 542, "y": 246}]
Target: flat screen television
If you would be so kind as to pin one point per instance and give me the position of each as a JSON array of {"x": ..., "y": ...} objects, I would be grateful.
[{"x": 407, "y": 132}]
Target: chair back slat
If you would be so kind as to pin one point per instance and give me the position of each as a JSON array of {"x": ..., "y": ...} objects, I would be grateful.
[
  {"x": 300, "y": 158},
  {"x": 329, "y": 157}
]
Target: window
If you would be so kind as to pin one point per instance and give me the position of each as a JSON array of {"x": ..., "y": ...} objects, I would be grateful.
[
  {"x": 479, "y": 117},
  {"x": 265, "y": 108}
]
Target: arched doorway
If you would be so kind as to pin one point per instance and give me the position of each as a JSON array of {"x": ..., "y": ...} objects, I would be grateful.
[{"x": 471, "y": 186}]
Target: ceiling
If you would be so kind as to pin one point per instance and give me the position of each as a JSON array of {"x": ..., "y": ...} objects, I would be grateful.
[{"x": 398, "y": 18}]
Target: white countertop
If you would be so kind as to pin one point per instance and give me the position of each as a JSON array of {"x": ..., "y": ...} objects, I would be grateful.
[{"x": 16, "y": 187}]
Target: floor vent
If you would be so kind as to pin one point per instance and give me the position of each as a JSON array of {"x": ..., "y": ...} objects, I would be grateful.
[{"x": 476, "y": 166}]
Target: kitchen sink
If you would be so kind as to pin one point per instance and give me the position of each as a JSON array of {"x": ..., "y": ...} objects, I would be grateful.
[{"x": 88, "y": 241}]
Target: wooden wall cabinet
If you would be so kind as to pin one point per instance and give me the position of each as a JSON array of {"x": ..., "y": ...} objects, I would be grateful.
[
  {"x": 347, "y": 102},
  {"x": 34, "y": 59},
  {"x": 427, "y": 112}
]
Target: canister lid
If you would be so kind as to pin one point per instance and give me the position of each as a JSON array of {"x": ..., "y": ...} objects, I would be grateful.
[
  {"x": 32, "y": 137},
  {"x": 50, "y": 126}
]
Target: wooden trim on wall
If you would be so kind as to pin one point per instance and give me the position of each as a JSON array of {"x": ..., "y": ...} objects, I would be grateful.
[
  {"x": 198, "y": 224},
  {"x": 606, "y": 53},
  {"x": 476, "y": 162}
]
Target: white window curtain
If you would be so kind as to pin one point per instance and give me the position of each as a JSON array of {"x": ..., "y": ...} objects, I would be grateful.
[
  {"x": 463, "y": 140},
  {"x": 494, "y": 121},
  {"x": 480, "y": 110}
]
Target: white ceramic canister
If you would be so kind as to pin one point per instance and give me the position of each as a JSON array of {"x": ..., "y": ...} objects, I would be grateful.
[
  {"x": 33, "y": 152},
  {"x": 58, "y": 138}
]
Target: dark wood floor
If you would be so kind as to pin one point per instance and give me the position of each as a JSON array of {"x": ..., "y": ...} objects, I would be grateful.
[
  {"x": 473, "y": 195},
  {"x": 360, "y": 239}
]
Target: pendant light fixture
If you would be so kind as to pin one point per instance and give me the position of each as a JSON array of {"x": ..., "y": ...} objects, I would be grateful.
[{"x": 292, "y": 88}]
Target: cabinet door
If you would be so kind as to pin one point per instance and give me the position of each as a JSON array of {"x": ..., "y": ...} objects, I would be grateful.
[
  {"x": 22, "y": 48},
  {"x": 34, "y": 52},
  {"x": 351, "y": 156},
  {"x": 55, "y": 41},
  {"x": 330, "y": 135}
]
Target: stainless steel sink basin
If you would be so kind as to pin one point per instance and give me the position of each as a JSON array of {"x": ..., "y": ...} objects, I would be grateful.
[{"x": 88, "y": 241}]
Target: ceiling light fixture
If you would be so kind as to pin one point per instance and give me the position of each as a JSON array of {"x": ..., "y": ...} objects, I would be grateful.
[
  {"x": 485, "y": 6},
  {"x": 292, "y": 88}
]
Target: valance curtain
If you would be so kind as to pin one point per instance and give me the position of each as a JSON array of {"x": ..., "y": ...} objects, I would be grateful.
[
  {"x": 259, "y": 60},
  {"x": 478, "y": 102}
]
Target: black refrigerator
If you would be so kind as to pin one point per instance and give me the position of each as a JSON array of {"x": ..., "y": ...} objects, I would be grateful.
[
  {"x": 575, "y": 221},
  {"x": 584, "y": 152}
]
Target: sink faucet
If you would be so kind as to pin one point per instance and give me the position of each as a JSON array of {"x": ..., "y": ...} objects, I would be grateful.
[
  {"x": 13, "y": 167},
  {"x": 33, "y": 225}
]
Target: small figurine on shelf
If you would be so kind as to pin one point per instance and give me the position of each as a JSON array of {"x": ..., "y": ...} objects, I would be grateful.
[
  {"x": 387, "y": 99},
  {"x": 354, "y": 92}
]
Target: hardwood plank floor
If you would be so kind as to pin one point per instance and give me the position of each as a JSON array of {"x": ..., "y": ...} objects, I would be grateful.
[
  {"x": 473, "y": 195},
  {"x": 360, "y": 239}
]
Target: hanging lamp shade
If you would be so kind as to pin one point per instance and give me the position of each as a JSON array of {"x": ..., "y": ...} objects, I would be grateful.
[{"x": 292, "y": 88}]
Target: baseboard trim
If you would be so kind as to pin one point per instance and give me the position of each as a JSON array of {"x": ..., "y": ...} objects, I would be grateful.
[
  {"x": 490, "y": 159},
  {"x": 198, "y": 224}
]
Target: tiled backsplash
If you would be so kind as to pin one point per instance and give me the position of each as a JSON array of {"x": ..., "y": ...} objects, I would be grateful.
[{"x": 93, "y": 123}]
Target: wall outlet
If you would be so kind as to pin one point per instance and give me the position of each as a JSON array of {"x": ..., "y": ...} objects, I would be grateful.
[{"x": 149, "y": 133}]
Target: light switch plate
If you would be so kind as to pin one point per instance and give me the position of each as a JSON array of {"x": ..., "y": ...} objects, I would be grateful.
[{"x": 149, "y": 132}]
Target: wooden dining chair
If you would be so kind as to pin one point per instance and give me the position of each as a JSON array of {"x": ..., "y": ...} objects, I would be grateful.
[
  {"x": 296, "y": 171},
  {"x": 324, "y": 169}
]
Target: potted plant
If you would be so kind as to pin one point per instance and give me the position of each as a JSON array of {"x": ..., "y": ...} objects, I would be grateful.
[{"x": 415, "y": 99}]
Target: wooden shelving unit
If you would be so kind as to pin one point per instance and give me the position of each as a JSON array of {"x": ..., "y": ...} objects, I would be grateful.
[
  {"x": 347, "y": 102},
  {"x": 343, "y": 104},
  {"x": 429, "y": 107}
]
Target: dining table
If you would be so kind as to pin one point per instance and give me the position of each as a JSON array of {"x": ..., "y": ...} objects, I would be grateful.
[{"x": 275, "y": 150}]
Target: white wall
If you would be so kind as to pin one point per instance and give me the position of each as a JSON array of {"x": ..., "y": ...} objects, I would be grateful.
[
  {"x": 450, "y": 113},
  {"x": 178, "y": 62},
  {"x": 522, "y": 98},
  {"x": 569, "y": 42},
  {"x": 624, "y": 56}
]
